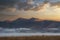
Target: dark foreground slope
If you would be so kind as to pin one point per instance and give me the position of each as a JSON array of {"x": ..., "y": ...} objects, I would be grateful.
[{"x": 32, "y": 38}]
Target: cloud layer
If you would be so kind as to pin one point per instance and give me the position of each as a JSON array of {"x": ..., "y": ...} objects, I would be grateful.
[
  {"x": 46, "y": 9},
  {"x": 26, "y": 5}
]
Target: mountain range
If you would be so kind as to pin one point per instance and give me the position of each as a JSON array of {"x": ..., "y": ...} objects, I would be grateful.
[{"x": 30, "y": 23}]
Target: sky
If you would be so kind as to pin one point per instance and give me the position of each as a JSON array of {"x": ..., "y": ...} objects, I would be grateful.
[{"x": 41, "y": 9}]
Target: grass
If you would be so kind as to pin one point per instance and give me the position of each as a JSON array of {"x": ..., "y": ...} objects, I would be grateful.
[{"x": 32, "y": 38}]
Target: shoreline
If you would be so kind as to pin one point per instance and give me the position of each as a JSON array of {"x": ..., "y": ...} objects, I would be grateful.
[{"x": 28, "y": 34}]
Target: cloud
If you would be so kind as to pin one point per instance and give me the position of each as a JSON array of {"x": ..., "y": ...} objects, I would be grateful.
[
  {"x": 55, "y": 4},
  {"x": 21, "y": 5},
  {"x": 34, "y": 6},
  {"x": 46, "y": 10}
]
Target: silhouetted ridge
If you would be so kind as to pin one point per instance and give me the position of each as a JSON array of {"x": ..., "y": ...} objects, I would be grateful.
[{"x": 29, "y": 23}]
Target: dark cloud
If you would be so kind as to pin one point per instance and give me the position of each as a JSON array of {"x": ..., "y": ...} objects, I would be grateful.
[
  {"x": 55, "y": 4},
  {"x": 8, "y": 2},
  {"x": 36, "y": 6},
  {"x": 21, "y": 5}
]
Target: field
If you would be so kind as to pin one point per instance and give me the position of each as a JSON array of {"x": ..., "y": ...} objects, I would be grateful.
[{"x": 31, "y": 38}]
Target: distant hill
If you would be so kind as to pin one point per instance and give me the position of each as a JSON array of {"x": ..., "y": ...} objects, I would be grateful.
[{"x": 29, "y": 23}]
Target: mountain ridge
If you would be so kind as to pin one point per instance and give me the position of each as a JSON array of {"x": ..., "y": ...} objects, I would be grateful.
[{"x": 29, "y": 23}]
